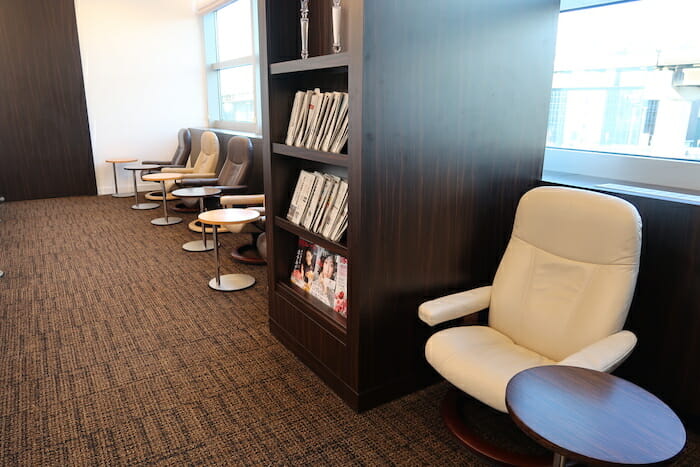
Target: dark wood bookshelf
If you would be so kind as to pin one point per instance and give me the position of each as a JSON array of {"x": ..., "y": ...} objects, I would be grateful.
[
  {"x": 313, "y": 63},
  {"x": 315, "y": 308},
  {"x": 291, "y": 227},
  {"x": 439, "y": 151},
  {"x": 311, "y": 155}
]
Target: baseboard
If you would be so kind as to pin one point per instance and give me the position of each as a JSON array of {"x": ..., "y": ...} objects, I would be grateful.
[{"x": 144, "y": 187}]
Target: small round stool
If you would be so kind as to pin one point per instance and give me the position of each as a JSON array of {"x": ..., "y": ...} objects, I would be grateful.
[
  {"x": 134, "y": 169},
  {"x": 162, "y": 178},
  {"x": 215, "y": 218},
  {"x": 201, "y": 193},
  {"x": 114, "y": 163}
]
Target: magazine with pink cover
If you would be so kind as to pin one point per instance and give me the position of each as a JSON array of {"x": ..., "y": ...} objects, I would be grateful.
[
  {"x": 340, "y": 304},
  {"x": 304, "y": 265}
]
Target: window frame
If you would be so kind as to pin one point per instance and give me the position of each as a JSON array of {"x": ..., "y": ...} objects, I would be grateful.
[
  {"x": 214, "y": 67},
  {"x": 632, "y": 169}
]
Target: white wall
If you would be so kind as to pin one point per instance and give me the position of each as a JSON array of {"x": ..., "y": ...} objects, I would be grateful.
[{"x": 143, "y": 65}]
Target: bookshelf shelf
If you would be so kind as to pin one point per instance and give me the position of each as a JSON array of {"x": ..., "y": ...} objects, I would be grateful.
[
  {"x": 311, "y": 155},
  {"x": 290, "y": 227},
  {"x": 313, "y": 63},
  {"x": 317, "y": 310}
]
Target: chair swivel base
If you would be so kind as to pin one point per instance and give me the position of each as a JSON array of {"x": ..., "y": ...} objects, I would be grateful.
[
  {"x": 143, "y": 206},
  {"x": 198, "y": 245},
  {"x": 247, "y": 254},
  {"x": 182, "y": 207},
  {"x": 122, "y": 195},
  {"x": 530, "y": 453},
  {"x": 232, "y": 282},
  {"x": 166, "y": 221},
  {"x": 158, "y": 196},
  {"x": 196, "y": 226}
]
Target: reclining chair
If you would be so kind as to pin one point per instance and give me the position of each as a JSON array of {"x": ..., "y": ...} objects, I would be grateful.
[
  {"x": 182, "y": 152},
  {"x": 560, "y": 297},
  {"x": 204, "y": 166},
  {"x": 233, "y": 176}
]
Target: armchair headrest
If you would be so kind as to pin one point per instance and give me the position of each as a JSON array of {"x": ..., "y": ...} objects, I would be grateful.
[
  {"x": 184, "y": 147},
  {"x": 210, "y": 143},
  {"x": 579, "y": 225}
]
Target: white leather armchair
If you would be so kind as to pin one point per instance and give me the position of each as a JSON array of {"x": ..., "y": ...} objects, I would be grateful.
[{"x": 560, "y": 296}]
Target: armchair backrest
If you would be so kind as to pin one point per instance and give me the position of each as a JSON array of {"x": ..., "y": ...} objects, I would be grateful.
[
  {"x": 184, "y": 147},
  {"x": 568, "y": 274},
  {"x": 239, "y": 162},
  {"x": 208, "y": 154}
]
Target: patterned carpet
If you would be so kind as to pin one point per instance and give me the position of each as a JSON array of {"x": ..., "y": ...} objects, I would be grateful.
[{"x": 114, "y": 351}]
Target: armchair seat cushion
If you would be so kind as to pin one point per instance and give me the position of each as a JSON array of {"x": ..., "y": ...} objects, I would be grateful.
[{"x": 480, "y": 361}]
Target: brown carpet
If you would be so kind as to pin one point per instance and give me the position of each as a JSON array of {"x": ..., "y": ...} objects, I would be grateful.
[{"x": 113, "y": 350}]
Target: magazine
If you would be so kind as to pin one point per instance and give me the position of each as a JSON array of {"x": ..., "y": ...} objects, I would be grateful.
[
  {"x": 323, "y": 284},
  {"x": 341, "y": 287},
  {"x": 323, "y": 274},
  {"x": 304, "y": 265}
]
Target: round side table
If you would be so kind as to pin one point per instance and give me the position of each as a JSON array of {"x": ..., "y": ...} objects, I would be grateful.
[
  {"x": 162, "y": 178},
  {"x": 215, "y": 218},
  {"x": 114, "y": 163},
  {"x": 201, "y": 193},
  {"x": 134, "y": 169},
  {"x": 593, "y": 417}
]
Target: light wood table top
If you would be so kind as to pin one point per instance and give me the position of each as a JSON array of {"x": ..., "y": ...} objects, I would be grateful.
[
  {"x": 229, "y": 216},
  {"x": 161, "y": 177},
  {"x": 120, "y": 161},
  {"x": 593, "y": 417}
]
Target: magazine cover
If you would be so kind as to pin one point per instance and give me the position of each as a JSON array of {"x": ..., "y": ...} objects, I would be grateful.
[
  {"x": 323, "y": 284},
  {"x": 341, "y": 287},
  {"x": 304, "y": 265}
]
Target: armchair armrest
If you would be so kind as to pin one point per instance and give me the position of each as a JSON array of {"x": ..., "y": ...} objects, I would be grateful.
[
  {"x": 163, "y": 166},
  {"x": 233, "y": 189},
  {"x": 178, "y": 170},
  {"x": 188, "y": 175},
  {"x": 163, "y": 163},
  {"x": 242, "y": 200},
  {"x": 197, "y": 181},
  {"x": 455, "y": 306},
  {"x": 605, "y": 354}
]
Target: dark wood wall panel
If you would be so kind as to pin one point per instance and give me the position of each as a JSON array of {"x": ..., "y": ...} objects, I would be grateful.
[
  {"x": 45, "y": 147},
  {"x": 665, "y": 311},
  {"x": 455, "y": 110}
]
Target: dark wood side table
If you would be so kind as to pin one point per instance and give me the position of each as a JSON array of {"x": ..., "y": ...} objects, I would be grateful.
[
  {"x": 134, "y": 169},
  {"x": 201, "y": 193},
  {"x": 114, "y": 163},
  {"x": 593, "y": 417}
]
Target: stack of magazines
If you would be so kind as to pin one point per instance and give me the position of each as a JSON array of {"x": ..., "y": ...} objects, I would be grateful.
[
  {"x": 319, "y": 121},
  {"x": 323, "y": 274},
  {"x": 320, "y": 204}
]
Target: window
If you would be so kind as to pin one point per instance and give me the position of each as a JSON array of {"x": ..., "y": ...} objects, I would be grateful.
[
  {"x": 627, "y": 82},
  {"x": 232, "y": 67}
]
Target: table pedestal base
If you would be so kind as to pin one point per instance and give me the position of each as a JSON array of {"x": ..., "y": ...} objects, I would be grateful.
[
  {"x": 122, "y": 195},
  {"x": 166, "y": 220},
  {"x": 231, "y": 282},
  {"x": 142, "y": 206},
  {"x": 559, "y": 460},
  {"x": 198, "y": 245}
]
